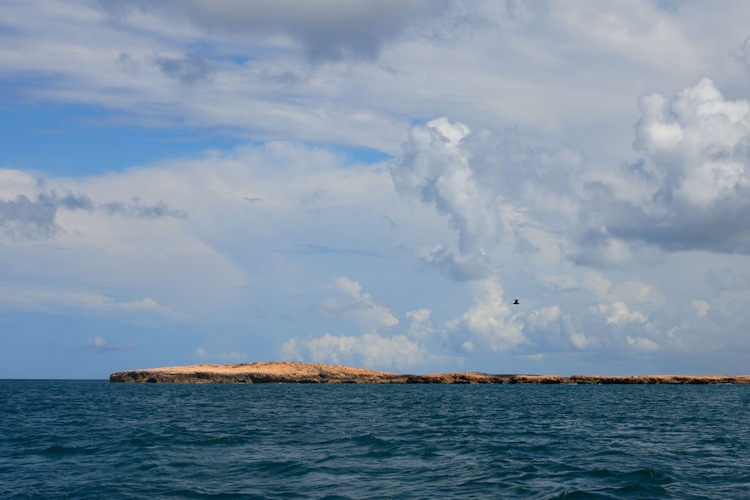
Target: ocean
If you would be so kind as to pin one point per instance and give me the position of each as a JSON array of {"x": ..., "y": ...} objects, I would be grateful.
[{"x": 93, "y": 439}]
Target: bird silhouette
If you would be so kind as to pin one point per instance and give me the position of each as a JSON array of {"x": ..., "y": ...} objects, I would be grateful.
[{"x": 515, "y": 302}]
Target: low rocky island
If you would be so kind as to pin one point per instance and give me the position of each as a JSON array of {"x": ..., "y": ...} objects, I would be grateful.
[{"x": 317, "y": 373}]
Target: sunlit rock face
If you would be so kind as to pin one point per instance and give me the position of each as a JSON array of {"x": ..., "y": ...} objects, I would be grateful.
[
  {"x": 294, "y": 372},
  {"x": 316, "y": 373}
]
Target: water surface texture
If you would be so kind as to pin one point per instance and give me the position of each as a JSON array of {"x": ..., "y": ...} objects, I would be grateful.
[{"x": 93, "y": 439}]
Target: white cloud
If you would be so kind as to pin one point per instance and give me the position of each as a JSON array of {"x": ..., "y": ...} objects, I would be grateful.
[
  {"x": 581, "y": 341},
  {"x": 693, "y": 181},
  {"x": 354, "y": 303},
  {"x": 619, "y": 314},
  {"x": 41, "y": 299},
  {"x": 529, "y": 178},
  {"x": 701, "y": 308},
  {"x": 642, "y": 344},
  {"x": 631, "y": 290},
  {"x": 420, "y": 327},
  {"x": 560, "y": 282},
  {"x": 692, "y": 140},
  {"x": 370, "y": 350},
  {"x": 489, "y": 321},
  {"x": 155, "y": 231},
  {"x": 435, "y": 169},
  {"x": 101, "y": 344}
]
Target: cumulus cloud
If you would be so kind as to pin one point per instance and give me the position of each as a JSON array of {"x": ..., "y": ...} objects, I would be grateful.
[
  {"x": 269, "y": 224},
  {"x": 701, "y": 307},
  {"x": 502, "y": 194},
  {"x": 642, "y": 344},
  {"x": 489, "y": 322},
  {"x": 354, "y": 303},
  {"x": 370, "y": 350},
  {"x": 582, "y": 341},
  {"x": 435, "y": 168},
  {"x": 420, "y": 326},
  {"x": 690, "y": 191},
  {"x": 618, "y": 313},
  {"x": 547, "y": 327},
  {"x": 619, "y": 300},
  {"x": 630, "y": 290}
]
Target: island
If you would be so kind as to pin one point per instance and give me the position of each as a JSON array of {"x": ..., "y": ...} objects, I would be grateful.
[{"x": 318, "y": 373}]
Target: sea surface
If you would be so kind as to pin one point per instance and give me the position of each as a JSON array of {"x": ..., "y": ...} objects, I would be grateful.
[{"x": 93, "y": 439}]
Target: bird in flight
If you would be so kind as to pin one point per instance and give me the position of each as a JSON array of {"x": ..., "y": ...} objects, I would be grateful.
[{"x": 515, "y": 302}]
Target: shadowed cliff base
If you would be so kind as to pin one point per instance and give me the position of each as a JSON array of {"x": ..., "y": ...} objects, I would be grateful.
[{"x": 316, "y": 373}]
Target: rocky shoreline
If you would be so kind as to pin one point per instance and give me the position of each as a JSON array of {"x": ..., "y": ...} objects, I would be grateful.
[{"x": 317, "y": 373}]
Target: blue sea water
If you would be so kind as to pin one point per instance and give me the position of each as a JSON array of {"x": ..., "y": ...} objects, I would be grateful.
[{"x": 93, "y": 439}]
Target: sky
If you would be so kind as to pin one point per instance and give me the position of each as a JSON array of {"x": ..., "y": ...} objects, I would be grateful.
[{"x": 373, "y": 184}]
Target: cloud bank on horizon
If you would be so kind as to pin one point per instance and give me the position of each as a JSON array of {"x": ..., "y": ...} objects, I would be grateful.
[{"x": 373, "y": 184}]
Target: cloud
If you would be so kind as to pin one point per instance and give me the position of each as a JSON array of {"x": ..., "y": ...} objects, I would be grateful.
[
  {"x": 101, "y": 344},
  {"x": 358, "y": 305},
  {"x": 489, "y": 322},
  {"x": 69, "y": 201},
  {"x": 127, "y": 235},
  {"x": 695, "y": 145},
  {"x": 630, "y": 290},
  {"x": 619, "y": 314},
  {"x": 691, "y": 190},
  {"x": 701, "y": 308},
  {"x": 532, "y": 173},
  {"x": 618, "y": 301},
  {"x": 137, "y": 209},
  {"x": 326, "y": 250},
  {"x": 503, "y": 194},
  {"x": 36, "y": 299},
  {"x": 203, "y": 355},
  {"x": 189, "y": 70},
  {"x": 436, "y": 170},
  {"x": 546, "y": 328},
  {"x": 22, "y": 218},
  {"x": 581, "y": 341},
  {"x": 742, "y": 53},
  {"x": 728, "y": 280},
  {"x": 326, "y": 30},
  {"x": 642, "y": 344},
  {"x": 369, "y": 350},
  {"x": 420, "y": 326}
]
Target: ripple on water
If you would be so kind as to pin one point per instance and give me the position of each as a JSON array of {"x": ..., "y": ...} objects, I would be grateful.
[{"x": 85, "y": 439}]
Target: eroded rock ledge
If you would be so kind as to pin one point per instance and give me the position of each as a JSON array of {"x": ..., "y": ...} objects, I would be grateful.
[{"x": 316, "y": 373}]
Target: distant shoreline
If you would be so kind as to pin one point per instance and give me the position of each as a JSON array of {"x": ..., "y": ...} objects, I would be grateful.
[{"x": 317, "y": 373}]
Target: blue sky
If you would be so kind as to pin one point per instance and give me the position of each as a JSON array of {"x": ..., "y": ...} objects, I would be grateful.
[{"x": 373, "y": 184}]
